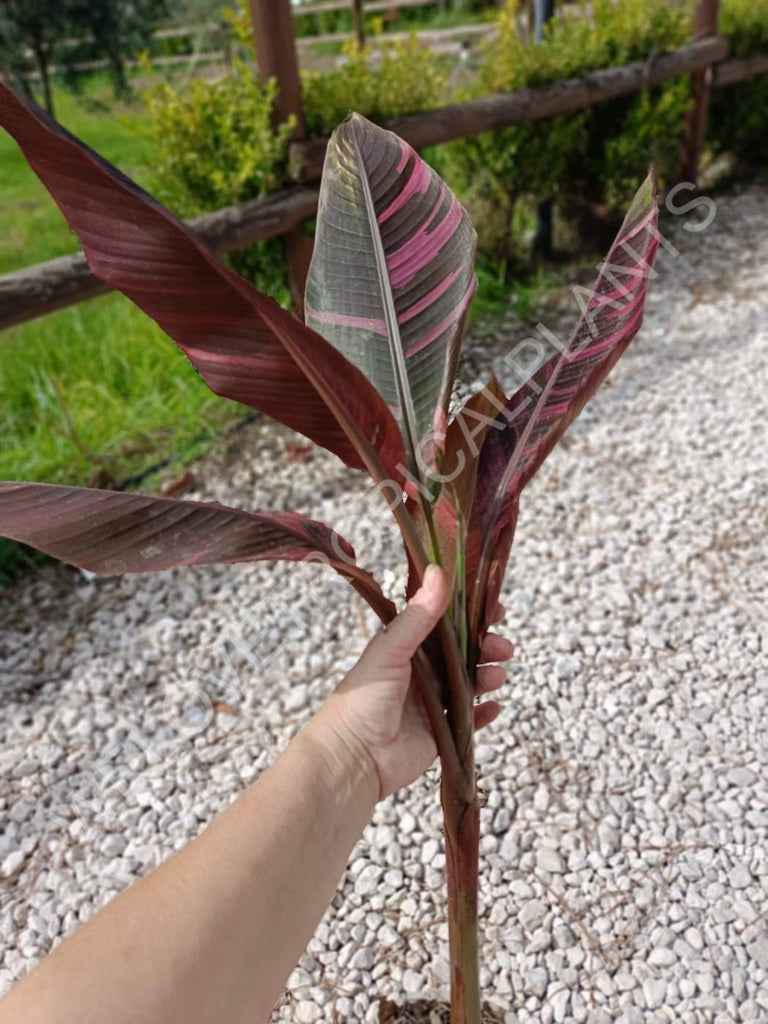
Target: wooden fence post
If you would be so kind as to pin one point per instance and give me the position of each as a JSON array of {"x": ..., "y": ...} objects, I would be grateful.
[
  {"x": 276, "y": 58},
  {"x": 705, "y": 24},
  {"x": 272, "y": 22},
  {"x": 543, "y": 11},
  {"x": 357, "y": 22}
]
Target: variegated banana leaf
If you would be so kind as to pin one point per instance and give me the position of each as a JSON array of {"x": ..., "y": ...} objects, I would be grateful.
[{"x": 392, "y": 274}]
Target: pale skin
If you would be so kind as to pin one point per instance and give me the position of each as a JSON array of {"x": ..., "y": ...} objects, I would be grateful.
[{"x": 211, "y": 936}]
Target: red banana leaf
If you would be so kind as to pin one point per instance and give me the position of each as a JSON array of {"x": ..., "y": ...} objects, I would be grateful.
[
  {"x": 464, "y": 442},
  {"x": 244, "y": 345},
  {"x": 392, "y": 274},
  {"x": 114, "y": 533}
]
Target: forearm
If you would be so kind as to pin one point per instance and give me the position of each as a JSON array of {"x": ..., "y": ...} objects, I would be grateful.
[{"x": 213, "y": 933}]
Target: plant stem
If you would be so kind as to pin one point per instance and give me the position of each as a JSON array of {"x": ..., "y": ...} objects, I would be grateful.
[{"x": 461, "y": 810}]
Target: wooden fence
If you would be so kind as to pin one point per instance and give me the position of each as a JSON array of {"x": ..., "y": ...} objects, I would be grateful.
[
  {"x": 217, "y": 32},
  {"x": 65, "y": 281}
]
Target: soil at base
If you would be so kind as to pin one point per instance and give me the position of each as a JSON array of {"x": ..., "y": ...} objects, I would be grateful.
[{"x": 426, "y": 1011}]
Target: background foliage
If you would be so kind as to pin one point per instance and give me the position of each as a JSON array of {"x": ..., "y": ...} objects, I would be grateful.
[{"x": 738, "y": 118}]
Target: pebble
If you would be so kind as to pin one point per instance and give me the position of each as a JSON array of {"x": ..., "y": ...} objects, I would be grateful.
[
  {"x": 758, "y": 951},
  {"x": 12, "y": 862},
  {"x": 741, "y": 777},
  {"x": 532, "y": 914},
  {"x": 661, "y": 956},
  {"x": 550, "y": 860},
  {"x": 413, "y": 982},
  {"x": 537, "y": 981},
  {"x": 654, "y": 992},
  {"x": 306, "y": 1012},
  {"x": 367, "y": 882}
]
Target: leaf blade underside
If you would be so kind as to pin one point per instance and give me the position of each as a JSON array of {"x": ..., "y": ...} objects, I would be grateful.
[
  {"x": 392, "y": 275},
  {"x": 115, "y": 533},
  {"x": 232, "y": 333}
]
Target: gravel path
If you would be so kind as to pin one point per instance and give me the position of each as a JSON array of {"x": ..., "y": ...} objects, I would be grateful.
[{"x": 625, "y": 836}]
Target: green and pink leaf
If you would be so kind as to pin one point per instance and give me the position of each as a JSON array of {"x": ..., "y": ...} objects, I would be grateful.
[{"x": 392, "y": 274}]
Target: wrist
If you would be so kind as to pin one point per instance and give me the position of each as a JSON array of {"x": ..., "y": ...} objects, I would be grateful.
[{"x": 347, "y": 766}]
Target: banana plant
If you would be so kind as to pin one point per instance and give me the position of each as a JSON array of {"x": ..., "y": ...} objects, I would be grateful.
[{"x": 368, "y": 377}]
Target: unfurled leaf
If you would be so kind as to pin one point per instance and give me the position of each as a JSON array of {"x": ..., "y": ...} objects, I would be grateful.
[
  {"x": 392, "y": 274},
  {"x": 114, "y": 533},
  {"x": 242, "y": 342}
]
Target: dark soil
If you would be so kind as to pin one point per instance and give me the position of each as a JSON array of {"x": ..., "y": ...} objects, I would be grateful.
[{"x": 425, "y": 1011}]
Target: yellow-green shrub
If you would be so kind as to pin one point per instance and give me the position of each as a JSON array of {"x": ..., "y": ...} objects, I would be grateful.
[
  {"x": 594, "y": 155},
  {"x": 216, "y": 146},
  {"x": 405, "y": 79}
]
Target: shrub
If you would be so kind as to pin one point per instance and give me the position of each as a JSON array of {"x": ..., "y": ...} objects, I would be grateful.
[
  {"x": 405, "y": 79},
  {"x": 216, "y": 146},
  {"x": 592, "y": 155},
  {"x": 738, "y": 117}
]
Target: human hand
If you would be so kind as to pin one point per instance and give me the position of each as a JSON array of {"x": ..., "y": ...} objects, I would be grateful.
[{"x": 376, "y": 714}]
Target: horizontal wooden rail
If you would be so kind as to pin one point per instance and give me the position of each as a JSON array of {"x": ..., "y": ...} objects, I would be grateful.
[
  {"x": 740, "y": 68},
  {"x": 426, "y": 36},
  {"x": 67, "y": 280},
  {"x": 56, "y": 284},
  {"x": 373, "y": 7},
  {"x": 563, "y": 97}
]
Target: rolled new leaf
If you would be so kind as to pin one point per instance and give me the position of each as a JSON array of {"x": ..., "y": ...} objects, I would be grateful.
[
  {"x": 242, "y": 342},
  {"x": 392, "y": 274},
  {"x": 538, "y": 413}
]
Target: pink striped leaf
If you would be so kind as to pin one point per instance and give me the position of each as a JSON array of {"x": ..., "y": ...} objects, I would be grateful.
[
  {"x": 245, "y": 346},
  {"x": 392, "y": 274},
  {"x": 113, "y": 533},
  {"x": 538, "y": 414}
]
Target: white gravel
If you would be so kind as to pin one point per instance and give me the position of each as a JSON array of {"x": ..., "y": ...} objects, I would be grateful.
[{"x": 625, "y": 839}]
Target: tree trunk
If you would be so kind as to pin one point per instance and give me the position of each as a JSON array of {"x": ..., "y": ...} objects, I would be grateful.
[{"x": 42, "y": 54}]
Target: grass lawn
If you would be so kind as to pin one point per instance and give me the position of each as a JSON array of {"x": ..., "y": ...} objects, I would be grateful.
[{"x": 97, "y": 384}]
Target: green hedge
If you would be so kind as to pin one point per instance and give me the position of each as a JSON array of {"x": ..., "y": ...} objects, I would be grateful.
[
  {"x": 738, "y": 116},
  {"x": 215, "y": 145}
]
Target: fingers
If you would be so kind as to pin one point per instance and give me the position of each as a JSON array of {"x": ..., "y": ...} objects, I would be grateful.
[
  {"x": 486, "y": 713},
  {"x": 412, "y": 626},
  {"x": 498, "y": 615},
  {"x": 496, "y": 648},
  {"x": 492, "y": 677},
  {"x": 489, "y": 678}
]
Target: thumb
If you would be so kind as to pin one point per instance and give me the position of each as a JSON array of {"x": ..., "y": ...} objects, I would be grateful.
[{"x": 414, "y": 624}]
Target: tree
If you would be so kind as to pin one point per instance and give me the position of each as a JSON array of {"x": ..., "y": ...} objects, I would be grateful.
[
  {"x": 120, "y": 28},
  {"x": 31, "y": 28},
  {"x": 35, "y": 33}
]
